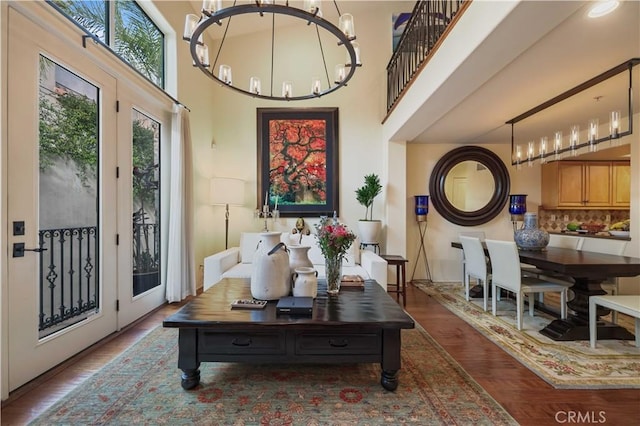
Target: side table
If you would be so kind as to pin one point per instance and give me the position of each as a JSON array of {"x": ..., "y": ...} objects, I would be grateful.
[{"x": 400, "y": 286}]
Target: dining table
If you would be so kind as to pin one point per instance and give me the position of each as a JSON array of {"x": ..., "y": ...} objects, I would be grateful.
[{"x": 587, "y": 270}]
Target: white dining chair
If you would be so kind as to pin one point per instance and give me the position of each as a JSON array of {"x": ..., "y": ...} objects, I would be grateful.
[
  {"x": 507, "y": 274},
  {"x": 475, "y": 264},
  {"x": 606, "y": 246},
  {"x": 476, "y": 234}
]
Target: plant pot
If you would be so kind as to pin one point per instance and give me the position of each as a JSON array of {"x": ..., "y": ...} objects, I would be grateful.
[{"x": 369, "y": 230}]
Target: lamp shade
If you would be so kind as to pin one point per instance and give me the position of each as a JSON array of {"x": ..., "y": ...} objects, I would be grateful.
[
  {"x": 422, "y": 207},
  {"x": 227, "y": 191},
  {"x": 517, "y": 204}
]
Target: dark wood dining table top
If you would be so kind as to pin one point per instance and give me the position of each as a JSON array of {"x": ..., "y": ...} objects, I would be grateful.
[{"x": 577, "y": 263}]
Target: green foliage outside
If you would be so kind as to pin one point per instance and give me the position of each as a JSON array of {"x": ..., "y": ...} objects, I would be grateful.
[{"x": 137, "y": 39}]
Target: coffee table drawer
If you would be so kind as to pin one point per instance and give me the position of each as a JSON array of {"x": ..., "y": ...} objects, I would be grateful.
[
  {"x": 241, "y": 343},
  {"x": 328, "y": 343}
]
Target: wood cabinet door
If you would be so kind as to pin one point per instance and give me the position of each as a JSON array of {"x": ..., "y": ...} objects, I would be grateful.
[
  {"x": 621, "y": 185},
  {"x": 597, "y": 184},
  {"x": 570, "y": 187}
]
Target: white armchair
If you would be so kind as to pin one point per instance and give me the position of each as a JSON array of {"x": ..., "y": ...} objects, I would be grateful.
[{"x": 235, "y": 262}]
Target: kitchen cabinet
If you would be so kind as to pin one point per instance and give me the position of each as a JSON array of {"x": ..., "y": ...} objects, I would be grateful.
[
  {"x": 586, "y": 184},
  {"x": 621, "y": 184}
]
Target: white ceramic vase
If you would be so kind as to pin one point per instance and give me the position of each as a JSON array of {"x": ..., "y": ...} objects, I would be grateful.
[
  {"x": 298, "y": 258},
  {"x": 270, "y": 276},
  {"x": 305, "y": 282}
]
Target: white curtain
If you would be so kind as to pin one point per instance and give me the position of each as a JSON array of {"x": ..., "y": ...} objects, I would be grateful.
[{"x": 181, "y": 280}]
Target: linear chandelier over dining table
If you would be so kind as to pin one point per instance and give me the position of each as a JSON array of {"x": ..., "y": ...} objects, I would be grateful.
[
  {"x": 279, "y": 16},
  {"x": 557, "y": 143}
]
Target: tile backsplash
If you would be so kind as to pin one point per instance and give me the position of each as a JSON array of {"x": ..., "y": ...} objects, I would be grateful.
[{"x": 545, "y": 217}]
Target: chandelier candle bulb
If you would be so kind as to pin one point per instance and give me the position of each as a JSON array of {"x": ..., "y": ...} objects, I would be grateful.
[
  {"x": 224, "y": 74},
  {"x": 543, "y": 148},
  {"x": 316, "y": 86},
  {"x": 345, "y": 23},
  {"x": 557, "y": 144},
  {"x": 255, "y": 85},
  {"x": 209, "y": 7},
  {"x": 287, "y": 89},
  {"x": 190, "y": 23},
  {"x": 574, "y": 138},
  {"x": 203, "y": 54},
  {"x": 614, "y": 125},
  {"x": 339, "y": 74}
]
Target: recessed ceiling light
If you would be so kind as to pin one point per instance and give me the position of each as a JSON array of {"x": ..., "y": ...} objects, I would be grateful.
[{"x": 602, "y": 8}]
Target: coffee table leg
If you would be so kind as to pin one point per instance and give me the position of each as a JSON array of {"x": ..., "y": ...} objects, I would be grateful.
[
  {"x": 390, "y": 358},
  {"x": 389, "y": 380},
  {"x": 190, "y": 378},
  {"x": 188, "y": 358}
]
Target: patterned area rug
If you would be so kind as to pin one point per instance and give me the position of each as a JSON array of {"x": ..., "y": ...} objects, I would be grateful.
[
  {"x": 142, "y": 386},
  {"x": 613, "y": 364}
]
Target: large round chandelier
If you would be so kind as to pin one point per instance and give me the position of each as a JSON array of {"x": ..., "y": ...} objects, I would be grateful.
[{"x": 267, "y": 14}]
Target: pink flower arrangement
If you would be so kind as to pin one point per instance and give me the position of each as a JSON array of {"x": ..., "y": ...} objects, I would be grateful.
[{"x": 334, "y": 238}]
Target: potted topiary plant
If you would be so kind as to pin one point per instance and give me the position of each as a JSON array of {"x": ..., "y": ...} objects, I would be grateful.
[{"x": 368, "y": 228}]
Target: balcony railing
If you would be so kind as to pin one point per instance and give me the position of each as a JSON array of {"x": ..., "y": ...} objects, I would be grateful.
[
  {"x": 428, "y": 24},
  {"x": 69, "y": 283}
]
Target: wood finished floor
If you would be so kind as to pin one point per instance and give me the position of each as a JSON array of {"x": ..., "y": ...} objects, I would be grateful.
[{"x": 529, "y": 399}]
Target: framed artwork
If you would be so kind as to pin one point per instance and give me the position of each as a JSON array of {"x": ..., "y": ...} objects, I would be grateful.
[{"x": 298, "y": 161}]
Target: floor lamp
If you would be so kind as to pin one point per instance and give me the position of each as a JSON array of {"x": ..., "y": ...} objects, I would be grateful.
[
  {"x": 422, "y": 209},
  {"x": 227, "y": 191}
]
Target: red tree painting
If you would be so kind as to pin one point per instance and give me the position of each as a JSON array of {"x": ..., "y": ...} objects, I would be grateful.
[{"x": 298, "y": 161}]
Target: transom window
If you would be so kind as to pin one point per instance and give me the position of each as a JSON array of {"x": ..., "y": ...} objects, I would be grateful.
[{"x": 125, "y": 28}]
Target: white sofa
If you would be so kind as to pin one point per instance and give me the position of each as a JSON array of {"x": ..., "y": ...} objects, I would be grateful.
[{"x": 235, "y": 262}]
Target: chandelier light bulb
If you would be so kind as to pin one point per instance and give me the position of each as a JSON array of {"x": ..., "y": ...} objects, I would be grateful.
[
  {"x": 312, "y": 6},
  {"x": 316, "y": 86},
  {"x": 543, "y": 148},
  {"x": 518, "y": 156},
  {"x": 614, "y": 124},
  {"x": 287, "y": 89},
  {"x": 557, "y": 143},
  {"x": 202, "y": 51},
  {"x": 346, "y": 25},
  {"x": 574, "y": 138},
  {"x": 209, "y": 7},
  {"x": 530, "y": 154},
  {"x": 224, "y": 74},
  {"x": 593, "y": 134},
  {"x": 255, "y": 85},
  {"x": 339, "y": 73},
  {"x": 356, "y": 49},
  {"x": 190, "y": 24}
]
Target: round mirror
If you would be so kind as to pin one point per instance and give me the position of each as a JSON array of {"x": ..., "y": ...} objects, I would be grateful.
[{"x": 469, "y": 186}]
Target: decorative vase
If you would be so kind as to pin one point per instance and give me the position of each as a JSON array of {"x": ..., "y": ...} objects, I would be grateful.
[
  {"x": 333, "y": 272},
  {"x": 298, "y": 258},
  {"x": 270, "y": 276},
  {"x": 530, "y": 237},
  {"x": 305, "y": 282}
]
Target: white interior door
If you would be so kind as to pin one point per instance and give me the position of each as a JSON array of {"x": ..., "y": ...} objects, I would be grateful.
[{"x": 60, "y": 197}]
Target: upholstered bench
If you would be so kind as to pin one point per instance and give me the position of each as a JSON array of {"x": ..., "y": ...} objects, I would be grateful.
[{"x": 627, "y": 304}]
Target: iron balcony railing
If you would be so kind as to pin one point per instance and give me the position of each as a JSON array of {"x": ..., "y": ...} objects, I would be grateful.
[
  {"x": 429, "y": 21},
  {"x": 69, "y": 287}
]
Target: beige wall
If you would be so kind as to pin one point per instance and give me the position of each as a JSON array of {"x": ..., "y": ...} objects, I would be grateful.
[{"x": 224, "y": 128}]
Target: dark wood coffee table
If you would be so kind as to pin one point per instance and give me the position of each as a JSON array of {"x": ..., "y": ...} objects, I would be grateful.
[{"x": 355, "y": 326}]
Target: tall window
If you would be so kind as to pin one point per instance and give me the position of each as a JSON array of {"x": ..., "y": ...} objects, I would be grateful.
[{"x": 125, "y": 28}]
